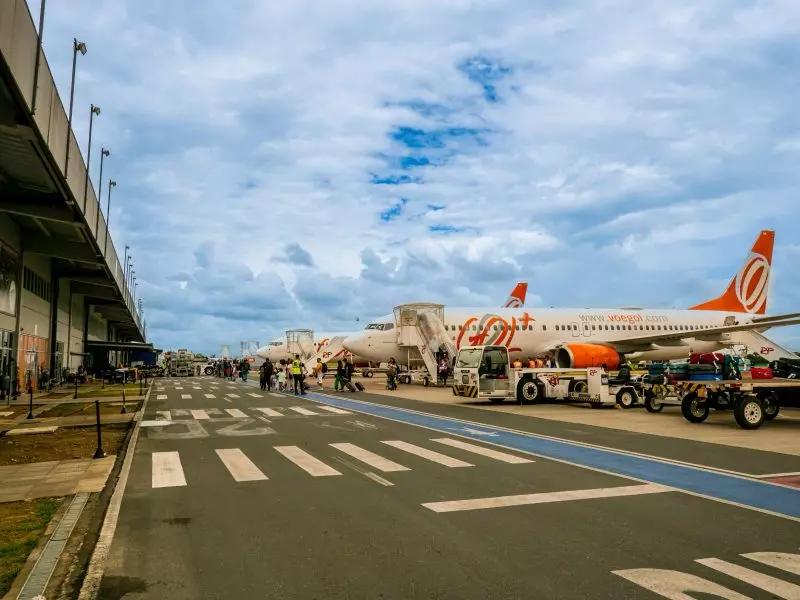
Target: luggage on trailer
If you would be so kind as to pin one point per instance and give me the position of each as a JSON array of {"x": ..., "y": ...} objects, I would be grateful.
[
  {"x": 706, "y": 358},
  {"x": 699, "y": 368},
  {"x": 761, "y": 373},
  {"x": 704, "y": 376}
]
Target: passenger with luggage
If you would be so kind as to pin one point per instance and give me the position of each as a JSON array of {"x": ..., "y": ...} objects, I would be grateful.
[
  {"x": 319, "y": 371},
  {"x": 391, "y": 375},
  {"x": 347, "y": 375},
  {"x": 337, "y": 380}
]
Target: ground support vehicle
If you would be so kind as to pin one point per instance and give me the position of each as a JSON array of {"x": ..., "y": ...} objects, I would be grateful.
[
  {"x": 752, "y": 401},
  {"x": 484, "y": 372}
]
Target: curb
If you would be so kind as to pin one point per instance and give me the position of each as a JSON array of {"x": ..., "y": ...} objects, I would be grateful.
[{"x": 90, "y": 588}]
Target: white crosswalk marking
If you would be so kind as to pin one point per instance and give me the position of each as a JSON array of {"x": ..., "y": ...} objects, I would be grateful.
[
  {"x": 163, "y": 415},
  {"x": 199, "y": 414},
  {"x": 501, "y": 456},
  {"x": 239, "y": 466},
  {"x": 442, "y": 459},
  {"x": 210, "y": 396},
  {"x": 254, "y": 395},
  {"x": 186, "y": 396},
  {"x": 178, "y": 387},
  {"x": 774, "y": 586},
  {"x": 235, "y": 412},
  {"x": 167, "y": 470},
  {"x": 161, "y": 397},
  {"x": 269, "y": 412},
  {"x": 303, "y": 411},
  {"x": 334, "y": 410},
  {"x": 305, "y": 461},
  {"x": 232, "y": 395},
  {"x": 370, "y": 458},
  {"x": 276, "y": 394}
]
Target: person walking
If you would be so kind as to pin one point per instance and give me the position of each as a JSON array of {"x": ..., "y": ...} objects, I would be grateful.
[
  {"x": 269, "y": 370},
  {"x": 245, "y": 369},
  {"x": 391, "y": 375},
  {"x": 318, "y": 371},
  {"x": 337, "y": 379},
  {"x": 297, "y": 376},
  {"x": 262, "y": 375}
]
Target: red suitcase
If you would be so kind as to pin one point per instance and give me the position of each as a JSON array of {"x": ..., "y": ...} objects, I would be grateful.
[{"x": 761, "y": 373}]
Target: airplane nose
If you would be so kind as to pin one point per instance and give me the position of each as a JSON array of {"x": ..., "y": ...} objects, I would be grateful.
[
  {"x": 355, "y": 344},
  {"x": 263, "y": 352}
]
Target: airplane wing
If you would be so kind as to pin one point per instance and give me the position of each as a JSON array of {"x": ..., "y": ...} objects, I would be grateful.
[{"x": 715, "y": 334}]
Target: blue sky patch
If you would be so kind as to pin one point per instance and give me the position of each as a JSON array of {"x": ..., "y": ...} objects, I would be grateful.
[{"x": 393, "y": 212}]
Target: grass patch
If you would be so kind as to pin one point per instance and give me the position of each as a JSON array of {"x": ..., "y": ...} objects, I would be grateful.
[
  {"x": 21, "y": 526},
  {"x": 65, "y": 444},
  {"x": 87, "y": 409}
]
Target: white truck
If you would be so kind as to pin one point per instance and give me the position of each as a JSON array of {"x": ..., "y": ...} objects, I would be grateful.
[
  {"x": 181, "y": 364},
  {"x": 485, "y": 372}
]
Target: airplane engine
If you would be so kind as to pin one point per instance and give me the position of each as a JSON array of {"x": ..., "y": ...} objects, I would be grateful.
[{"x": 580, "y": 356}]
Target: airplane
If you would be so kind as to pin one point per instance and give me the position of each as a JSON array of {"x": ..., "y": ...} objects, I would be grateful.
[
  {"x": 580, "y": 338},
  {"x": 278, "y": 350}
]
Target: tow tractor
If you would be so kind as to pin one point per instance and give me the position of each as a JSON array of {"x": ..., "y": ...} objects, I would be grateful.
[{"x": 485, "y": 372}]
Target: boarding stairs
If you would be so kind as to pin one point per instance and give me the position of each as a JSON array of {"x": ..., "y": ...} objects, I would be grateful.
[
  {"x": 300, "y": 341},
  {"x": 421, "y": 326},
  {"x": 757, "y": 343}
]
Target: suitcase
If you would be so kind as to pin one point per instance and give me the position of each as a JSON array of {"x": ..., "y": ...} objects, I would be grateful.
[
  {"x": 359, "y": 386},
  {"x": 346, "y": 383},
  {"x": 699, "y": 376},
  {"x": 706, "y": 358},
  {"x": 761, "y": 373}
]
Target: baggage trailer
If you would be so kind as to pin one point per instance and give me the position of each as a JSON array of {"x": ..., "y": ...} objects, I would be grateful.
[
  {"x": 752, "y": 401},
  {"x": 485, "y": 372}
]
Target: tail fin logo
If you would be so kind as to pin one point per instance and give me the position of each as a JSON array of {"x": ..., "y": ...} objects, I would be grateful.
[
  {"x": 517, "y": 297},
  {"x": 751, "y": 285}
]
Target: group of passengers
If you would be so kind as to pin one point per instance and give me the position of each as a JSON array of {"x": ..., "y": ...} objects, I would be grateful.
[{"x": 292, "y": 374}]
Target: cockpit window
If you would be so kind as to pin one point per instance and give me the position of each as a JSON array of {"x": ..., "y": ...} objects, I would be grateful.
[
  {"x": 380, "y": 326},
  {"x": 373, "y": 326},
  {"x": 388, "y": 326},
  {"x": 276, "y": 343}
]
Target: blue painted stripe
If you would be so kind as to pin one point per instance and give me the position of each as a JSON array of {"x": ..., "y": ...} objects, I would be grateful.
[{"x": 749, "y": 492}]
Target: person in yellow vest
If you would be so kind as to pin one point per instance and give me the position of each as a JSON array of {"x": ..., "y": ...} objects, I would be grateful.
[{"x": 297, "y": 376}]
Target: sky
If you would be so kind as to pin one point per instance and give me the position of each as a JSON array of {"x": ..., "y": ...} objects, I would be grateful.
[{"x": 305, "y": 164}]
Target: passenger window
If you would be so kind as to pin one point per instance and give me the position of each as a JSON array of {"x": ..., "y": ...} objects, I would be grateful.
[
  {"x": 544, "y": 327},
  {"x": 474, "y": 328},
  {"x": 592, "y": 327},
  {"x": 557, "y": 329},
  {"x": 459, "y": 327},
  {"x": 530, "y": 327}
]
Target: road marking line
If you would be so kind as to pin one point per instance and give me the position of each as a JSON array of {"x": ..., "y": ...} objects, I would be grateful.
[
  {"x": 269, "y": 412},
  {"x": 436, "y": 457},
  {"x": 164, "y": 414},
  {"x": 305, "y": 461},
  {"x": 303, "y": 411},
  {"x": 235, "y": 412},
  {"x": 210, "y": 396},
  {"x": 6, "y": 413},
  {"x": 167, "y": 470},
  {"x": 276, "y": 394},
  {"x": 771, "y": 585},
  {"x": 253, "y": 395},
  {"x": 227, "y": 400},
  {"x": 769, "y": 475},
  {"x": 334, "y": 410},
  {"x": 378, "y": 478},
  {"x": 502, "y": 456},
  {"x": 523, "y": 499},
  {"x": 161, "y": 397},
  {"x": 370, "y": 458},
  {"x": 780, "y": 560},
  {"x": 199, "y": 414},
  {"x": 232, "y": 395},
  {"x": 178, "y": 387},
  {"x": 186, "y": 396},
  {"x": 239, "y": 466}
]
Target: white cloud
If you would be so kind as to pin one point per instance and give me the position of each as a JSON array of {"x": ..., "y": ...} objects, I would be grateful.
[{"x": 617, "y": 153}]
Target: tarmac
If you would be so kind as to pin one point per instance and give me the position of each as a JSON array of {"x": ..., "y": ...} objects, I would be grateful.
[{"x": 234, "y": 492}]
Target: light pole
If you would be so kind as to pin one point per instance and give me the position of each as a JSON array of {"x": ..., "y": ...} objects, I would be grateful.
[
  {"x": 76, "y": 47},
  {"x": 103, "y": 153},
  {"x": 93, "y": 110},
  {"x": 111, "y": 184},
  {"x": 125, "y": 269},
  {"x": 38, "y": 58}
]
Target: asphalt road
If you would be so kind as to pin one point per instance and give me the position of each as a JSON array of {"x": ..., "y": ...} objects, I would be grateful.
[{"x": 227, "y": 501}]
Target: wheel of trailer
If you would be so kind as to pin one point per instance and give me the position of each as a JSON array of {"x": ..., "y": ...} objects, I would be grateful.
[
  {"x": 367, "y": 373},
  {"x": 749, "y": 413},
  {"x": 652, "y": 403},
  {"x": 626, "y": 397},
  {"x": 771, "y": 406},
  {"x": 528, "y": 391},
  {"x": 693, "y": 409},
  {"x": 209, "y": 370},
  {"x": 404, "y": 379}
]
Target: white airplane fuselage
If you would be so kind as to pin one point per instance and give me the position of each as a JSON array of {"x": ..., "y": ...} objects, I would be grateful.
[
  {"x": 278, "y": 349},
  {"x": 534, "y": 332}
]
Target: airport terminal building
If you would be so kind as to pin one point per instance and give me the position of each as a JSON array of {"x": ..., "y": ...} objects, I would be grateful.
[{"x": 63, "y": 286}]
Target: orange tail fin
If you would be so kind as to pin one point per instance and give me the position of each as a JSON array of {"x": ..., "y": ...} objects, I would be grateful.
[
  {"x": 748, "y": 290},
  {"x": 517, "y": 297}
]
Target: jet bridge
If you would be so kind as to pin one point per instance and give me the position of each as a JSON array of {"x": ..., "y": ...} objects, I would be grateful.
[{"x": 421, "y": 326}]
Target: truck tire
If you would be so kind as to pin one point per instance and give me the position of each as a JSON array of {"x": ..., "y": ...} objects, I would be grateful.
[
  {"x": 209, "y": 370},
  {"x": 579, "y": 386},
  {"x": 749, "y": 412},
  {"x": 627, "y": 398},
  {"x": 652, "y": 403},
  {"x": 693, "y": 409},
  {"x": 771, "y": 406},
  {"x": 528, "y": 391},
  {"x": 367, "y": 373}
]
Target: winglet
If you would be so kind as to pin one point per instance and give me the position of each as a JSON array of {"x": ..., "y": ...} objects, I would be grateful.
[
  {"x": 517, "y": 297},
  {"x": 749, "y": 288}
]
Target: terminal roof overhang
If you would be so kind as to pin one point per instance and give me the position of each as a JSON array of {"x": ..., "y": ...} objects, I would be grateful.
[
  {"x": 122, "y": 346},
  {"x": 34, "y": 195}
]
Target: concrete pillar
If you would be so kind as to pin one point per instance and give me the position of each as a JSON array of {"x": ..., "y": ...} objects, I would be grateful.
[{"x": 54, "y": 283}]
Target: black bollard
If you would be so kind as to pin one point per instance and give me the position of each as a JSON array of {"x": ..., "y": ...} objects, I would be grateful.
[
  {"x": 99, "y": 452},
  {"x": 75, "y": 396},
  {"x": 103, "y": 375},
  {"x": 30, "y": 404},
  {"x": 124, "y": 410},
  {"x": 140, "y": 385}
]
